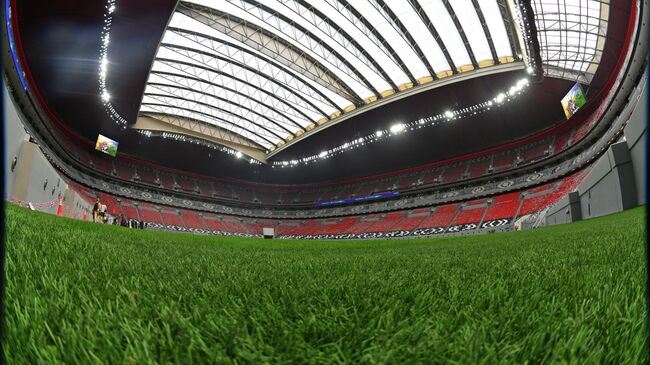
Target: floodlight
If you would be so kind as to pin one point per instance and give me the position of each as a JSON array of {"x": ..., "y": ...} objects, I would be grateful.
[
  {"x": 521, "y": 83},
  {"x": 397, "y": 128}
]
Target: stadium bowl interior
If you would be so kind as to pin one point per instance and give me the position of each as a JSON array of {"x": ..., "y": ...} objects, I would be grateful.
[{"x": 303, "y": 181}]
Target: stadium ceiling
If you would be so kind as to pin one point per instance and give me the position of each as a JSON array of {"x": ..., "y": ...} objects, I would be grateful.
[
  {"x": 571, "y": 36},
  {"x": 263, "y": 74}
]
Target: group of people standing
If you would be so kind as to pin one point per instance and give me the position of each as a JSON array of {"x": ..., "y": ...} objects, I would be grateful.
[
  {"x": 122, "y": 220},
  {"x": 99, "y": 215}
]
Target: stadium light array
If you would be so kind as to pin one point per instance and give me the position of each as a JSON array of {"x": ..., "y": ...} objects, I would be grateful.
[
  {"x": 397, "y": 128},
  {"x": 103, "y": 65},
  {"x": 524, "y": 26},
  {"x": 447, "y": 116}
]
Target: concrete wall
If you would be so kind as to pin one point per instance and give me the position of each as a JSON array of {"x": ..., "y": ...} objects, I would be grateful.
[
  {"x": 610, "y": 187},
  {"x": 14, "y": 136},
  {"x": 568, "y": 209},
  {"x": 27, "y": 181},
  {"x": 636, "y": 138},
  {"x": 34, "y": 179}
]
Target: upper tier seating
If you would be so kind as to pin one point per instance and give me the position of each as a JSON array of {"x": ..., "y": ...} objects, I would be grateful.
[
  {"x": 185, "y": 183},
  {"x": 146, "y": 175},
  {"x": 102, "y": 164},
  {"x": 454, "y": 173},
  {"x": 535, "y": 152},
  {"x": 478, "y": 168},
  {"x": 504, "y": 161},
  {"x": 562, "y": 141},
  {"x": 124, "y": 171},
  {"x": 167, "y": 181},
  {"x": 205, "y": 188}
]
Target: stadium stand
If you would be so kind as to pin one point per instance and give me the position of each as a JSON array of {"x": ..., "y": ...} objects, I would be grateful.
[
  {"x": 386, "y": 223},
  {"x": 471, "y": 213},
  {"x": 149, "y": 215},
  {"x": 171, "y": 217},
  {"x": 442, "y": 216},
  {"x": 535, "y": 152},
  {"x": 467, "y": 170},
  {"x": 505, "y": 161},
  {"x": 453, "y": 173},
  {"x": 193, "y": 219},
  {"x": 130, "y": 211},
  {"x": 503, "y": 206},
  {"x": 478, "y": 167},
  {"x": 562, "y": 141}
]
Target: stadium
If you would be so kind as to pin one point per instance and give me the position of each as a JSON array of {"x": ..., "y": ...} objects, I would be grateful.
[{"x": 325, "y": 181}]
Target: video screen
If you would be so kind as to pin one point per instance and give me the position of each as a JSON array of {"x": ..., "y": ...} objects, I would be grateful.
[
  {"x": 573, "y": 101},
  {"x": 106, "y": 145}
]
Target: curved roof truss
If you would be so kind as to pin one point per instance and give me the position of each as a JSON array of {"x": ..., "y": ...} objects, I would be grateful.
[
  {"x": 571, "y": 36},
  {"x": 273, "y": 70}
]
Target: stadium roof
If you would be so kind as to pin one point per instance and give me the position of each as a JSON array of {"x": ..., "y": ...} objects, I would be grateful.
[
  {"x": 257, "y": 75},
  {"x": 241, "y": 75},
  {"x": 269, "y": 71}
]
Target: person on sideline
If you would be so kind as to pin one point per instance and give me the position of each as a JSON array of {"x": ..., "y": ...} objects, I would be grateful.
[
  {"x": 102, "y": 213},
  {"x": 96, "y": 211}
]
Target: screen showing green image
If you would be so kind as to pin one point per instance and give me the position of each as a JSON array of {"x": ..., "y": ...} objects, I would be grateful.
[
  {"x": 106, "y": 145},
  {"x": 573, "y": 101}
]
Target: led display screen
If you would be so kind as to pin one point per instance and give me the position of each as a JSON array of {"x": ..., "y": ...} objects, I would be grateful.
[
  {"x": 573, "y": 101},
  {"x": 106, "y": 145},
  {"x": 353, "y": 200}
]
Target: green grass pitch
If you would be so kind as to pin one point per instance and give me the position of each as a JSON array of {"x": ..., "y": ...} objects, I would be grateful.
[{"x": 83, "y": 293}]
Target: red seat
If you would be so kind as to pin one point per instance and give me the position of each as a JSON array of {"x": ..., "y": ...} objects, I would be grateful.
[
  {"x": 441, "y": 217},
  {"x": 503, "y": 206},
  {"x": 466, "y": 216}
]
